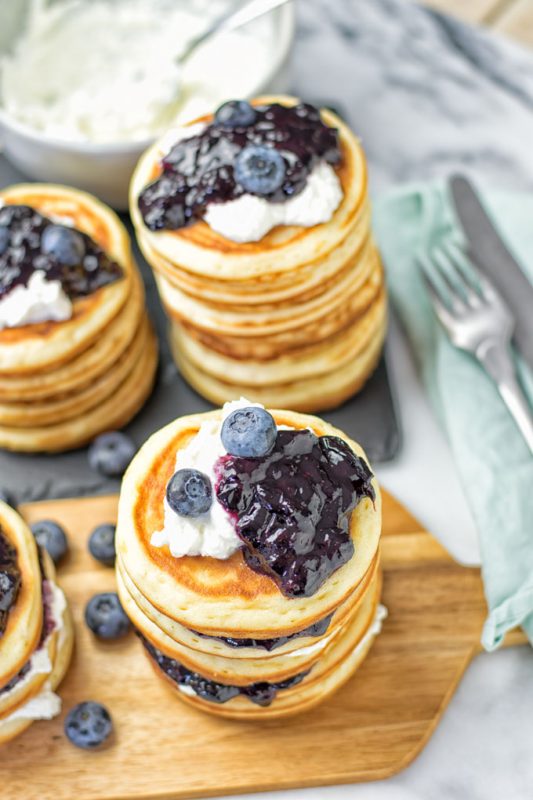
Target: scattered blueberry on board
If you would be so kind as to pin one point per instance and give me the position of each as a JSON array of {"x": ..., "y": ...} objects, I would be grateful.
[
  {"x": 88, "y": 725},
  {"x": 102, "y": 544},
  {"x": 189, "y": 493},
  {"x": 6, "y": 496},
  {"x": 52, "y": 537},
  {"x": 235, "y": 114},
  {"x": 259, "y": 169},
  {"x": 249, "y": 432},
  {"x": 111, "y": 453},
  {"x": 105, "y": 617},
  {"x": 65, "y": 244}
]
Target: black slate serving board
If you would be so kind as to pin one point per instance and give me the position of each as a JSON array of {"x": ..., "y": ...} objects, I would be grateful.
[{"x": 370, "y": 417}]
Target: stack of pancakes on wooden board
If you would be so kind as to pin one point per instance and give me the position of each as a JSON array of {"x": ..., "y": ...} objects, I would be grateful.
[
  {"x": 296, "y": 319},
  {"x": 63, "y": 383},
  {"x": 223, "y": 635},
  {"x": 36, "y": 634}
]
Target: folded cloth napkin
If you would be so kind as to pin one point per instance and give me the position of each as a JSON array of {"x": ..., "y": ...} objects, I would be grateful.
[{"x": 494, "y": 463}]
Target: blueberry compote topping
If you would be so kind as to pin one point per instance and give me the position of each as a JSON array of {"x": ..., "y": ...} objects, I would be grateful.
[
  {"x": 29, "y": 242},
  {"x": 292, "y": 508},
  {"x": 262, "y": 694},
  {"x": 200, "y": 170},
  {"x": 10, "y": 579},
  {"x": 316, "y": 629}
]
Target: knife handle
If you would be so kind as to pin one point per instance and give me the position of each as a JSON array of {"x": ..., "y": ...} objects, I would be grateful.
[{"x": 499, "y": 364}]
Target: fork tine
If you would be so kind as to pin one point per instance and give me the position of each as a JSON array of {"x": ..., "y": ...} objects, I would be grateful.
[
  {"x": 470, "y": 271},
  {"x": 453, "y": 274},
  {"x": 441, "y": 309}
]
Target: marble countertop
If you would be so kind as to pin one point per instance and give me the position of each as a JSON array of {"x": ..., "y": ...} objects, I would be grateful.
[{"x": 428, "y": 95}]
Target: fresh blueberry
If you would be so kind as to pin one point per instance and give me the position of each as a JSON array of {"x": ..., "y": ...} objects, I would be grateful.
[
  {"x": 249, "y": 432},
  {"x": 189, "y": 493},
  {"x": 7, "y": 497},
  {"x": 111, "y": 453},
  {"x": 105, "y": 616},
  {"x": 4, "y": 239},
  {"x": 235, "y": 114},
  {"x": 52, "y": 537},
  {"x": 64, "y": 244},
  {"x": 102, "y": 544},
  {"x": 88, "y": 725},
  {"x": 259, "y": 169}
]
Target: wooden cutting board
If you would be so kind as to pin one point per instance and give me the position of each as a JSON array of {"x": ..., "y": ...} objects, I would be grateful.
[{"x": 370, "y": 729}]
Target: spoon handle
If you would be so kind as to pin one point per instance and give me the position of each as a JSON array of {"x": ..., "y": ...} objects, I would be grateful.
[{"x": 246, "y": 11}]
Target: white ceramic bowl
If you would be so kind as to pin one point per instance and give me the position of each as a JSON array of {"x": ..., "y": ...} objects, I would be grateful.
[{"x": 103, "y": 169}]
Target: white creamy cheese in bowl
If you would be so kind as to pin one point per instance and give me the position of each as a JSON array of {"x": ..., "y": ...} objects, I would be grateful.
[{"x": 86, "y": 85}]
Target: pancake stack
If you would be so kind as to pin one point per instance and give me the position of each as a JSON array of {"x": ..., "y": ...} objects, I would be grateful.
[
  {"x": 63, "y": 383},
  {"x": 224, "y": 636},
  {"x": 36, "y": 634},
  {"x": 296, "y": 319}
]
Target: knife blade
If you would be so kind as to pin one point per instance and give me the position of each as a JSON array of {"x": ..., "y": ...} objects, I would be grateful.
[{"x": 491, "y": 255}]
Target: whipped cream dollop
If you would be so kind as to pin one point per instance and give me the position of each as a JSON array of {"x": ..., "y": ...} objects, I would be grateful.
[
  {"x": 211, "y": 534},
  {"x": 249, "y": 217},
  {"x": 40, "y": 301},
  {"x": 107, "y": 72},
  {"x": 46, "y": 704}
]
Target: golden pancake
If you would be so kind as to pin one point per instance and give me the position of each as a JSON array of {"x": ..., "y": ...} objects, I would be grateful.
[
  {"x": 225, "y": 598},
  {"x": 337, "y": 664},
  {"x": 273, "y": 667},
  {"x": 9, "y": 728},
  {"x": 42, "y": 345},
  {"x": 85, "y": 367},
  {"x": 322, "y": 391},
  {"x": 111, "y": 413},
  {"x": 203, "y": 251},
  {"x": 26, "y": 616}
]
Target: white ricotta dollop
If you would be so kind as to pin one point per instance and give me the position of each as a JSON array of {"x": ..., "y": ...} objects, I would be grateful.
[
  {"x": 249, "y": 218},
  {"x": 212, "y": 534},
  {"x": 40, "y": 301},
  {"x": 46, "y": 704}
]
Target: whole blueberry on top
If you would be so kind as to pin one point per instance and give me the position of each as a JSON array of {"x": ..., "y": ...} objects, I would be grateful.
[
  {"x": 189, "y": 493},
  {"x": 88, "y": 725},
  {"x": 52, "y": 537},
  {"x": 235, "y": 114},
  {"x": 102, "y": 544},
  {"x": 111, "y": 453},
  {"x": 259, "y": 170},
  {"x": 105, "y": 616},
  {"x": 7, "y": 497},
  {"x": 4, "y": 239},
  {"x": 249, "y": 432},
  {"x": 64, "y": 244}
]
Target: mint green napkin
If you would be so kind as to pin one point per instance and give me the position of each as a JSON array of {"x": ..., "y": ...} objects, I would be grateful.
[{"x": 494, "y": 463}]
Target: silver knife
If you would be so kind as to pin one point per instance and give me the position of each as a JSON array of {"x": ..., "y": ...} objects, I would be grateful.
[{"x": 491, "y": 255}]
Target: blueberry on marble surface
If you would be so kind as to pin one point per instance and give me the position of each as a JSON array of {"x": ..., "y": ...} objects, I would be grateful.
[
  {"x": 111, "y": 453},
  {"x": 102, "y": 544},
  {"x": 190, "y": 493},
  {"x": 105, "y": 616},
  {"x": 260, "y": 170},
  {"x": 88, "y": 725},
  {"x": 235, "y": 114},
  {"x": 65, "y": 244},
  {"x": 51, "y": 536},
  {"x": 249, "y": 432}
]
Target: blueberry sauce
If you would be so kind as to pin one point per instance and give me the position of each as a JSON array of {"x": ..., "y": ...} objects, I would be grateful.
[
  {"x": 316, "y": 629},
  {"x": 292, "y": 508},
  {"x": 200, "y": 170},
  {"x": 21, "y": 254},
  {"x": 47, "y": 628},
  {"x": 262, "y": 693},
  {"x": 10, "y": 580}
]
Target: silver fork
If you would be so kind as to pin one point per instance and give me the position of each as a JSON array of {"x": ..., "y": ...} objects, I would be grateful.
[{"x": 477, "y": 320}]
